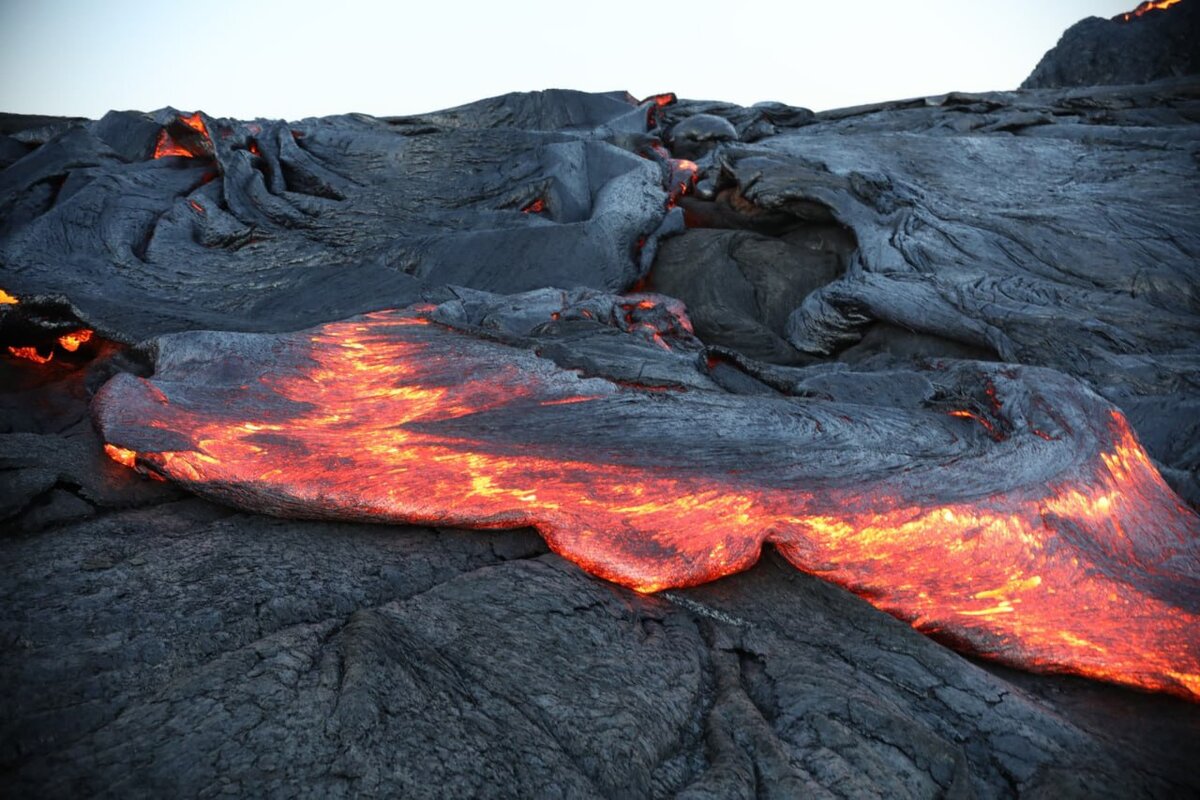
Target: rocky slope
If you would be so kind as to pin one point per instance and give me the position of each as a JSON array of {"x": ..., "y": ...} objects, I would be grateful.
[
  {"x": 1156, "y": 40},
  {"x": 162, "y": 644}
]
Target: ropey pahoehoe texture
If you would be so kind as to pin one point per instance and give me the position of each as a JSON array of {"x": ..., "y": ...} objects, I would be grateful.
[{"x": 938, "y": 351}]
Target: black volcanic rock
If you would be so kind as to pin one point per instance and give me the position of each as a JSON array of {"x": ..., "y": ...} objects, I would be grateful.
[
  {"x": 273, "y": 224},
  {"x": 162, "y": 645},
  {"x": 1050, "y": 228},
  {"x": 186, "y": 650},
  {"x": 1159, "y": 43}
]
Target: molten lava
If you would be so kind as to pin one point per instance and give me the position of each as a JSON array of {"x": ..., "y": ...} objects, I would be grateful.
[
  {"x": 31, "y": 354},
  {"x": 657, "y": 101},
  {"x": 1066, "y": 554},
  {"x": 194, "y": 122},
  {"x": 681, "y": 173},
  {"x": 7, "y": 299},
  {"x": 536, "y": 207},
  {"x": 122, "y": 456},
  {"x": 166, "y": 144},
  {"x": 682, "y": 180},
  {"x": 1146, "y": 7},
  {"x": 69, "y": 342},
  {"x": 982, "y": 420},
  {"x": 74, "y": 340}
]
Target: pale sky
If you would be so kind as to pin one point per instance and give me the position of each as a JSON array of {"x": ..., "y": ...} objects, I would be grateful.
[{"x": 298, "y": 59}]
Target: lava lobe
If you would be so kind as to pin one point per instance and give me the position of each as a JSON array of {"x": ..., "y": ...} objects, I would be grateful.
[{"x": 1055, "y": 546}]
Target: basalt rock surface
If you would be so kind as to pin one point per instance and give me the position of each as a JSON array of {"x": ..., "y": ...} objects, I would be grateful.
[
  {"x": 188, "y": 650},
  {"x": 1159, "y": 39},
  {"x": 269, "y": 225},
  {"x": 832, "y": 263}
]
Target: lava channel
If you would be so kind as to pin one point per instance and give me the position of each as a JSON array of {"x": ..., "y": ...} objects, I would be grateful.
[{"x": 1056, "y": 553}]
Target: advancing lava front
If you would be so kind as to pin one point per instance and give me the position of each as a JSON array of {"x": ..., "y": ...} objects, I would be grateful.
[{"x": 1055, "y": 547}]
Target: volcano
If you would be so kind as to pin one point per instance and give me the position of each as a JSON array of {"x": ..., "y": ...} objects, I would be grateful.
[{"x": 587, "y": 445}]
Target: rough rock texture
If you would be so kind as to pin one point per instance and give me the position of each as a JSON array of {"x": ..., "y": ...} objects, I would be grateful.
[
  {"x": 269, "y": 225},
  {"x": 187, "y": 650},
  {"x": 1151, "y": 45},
  {"x": 1005, "y": 226},
  {"x": 989, "y": 527},
  {"x": 159, "y": 645}
]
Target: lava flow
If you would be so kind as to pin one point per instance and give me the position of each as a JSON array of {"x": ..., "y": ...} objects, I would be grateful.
[
  {"x": 69, "y": 342},
  {"x": 1064, "y": 554},
  {"x": 166, "y": 144},
  {"x": 122, "y": 456},
  {"x": 72, "y": 341},
  {"x": 681, "y": 174},
  {"x": 682, "y": 180},
  {"x": 655, "y": 102},
  {"x": 30, "y": 354},
  {"x": 1146, "y": 7}
]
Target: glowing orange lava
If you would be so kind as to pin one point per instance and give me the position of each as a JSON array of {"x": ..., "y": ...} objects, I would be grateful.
[
  {"x": 7, "y": 299},
  {"x": 659, "y": 100},
  {"x": 390, "y": 417},
  {"x": 536, "y": 207},
  {"x": 683, "y": 178},
  {"x": 984, "y": 421},
  {"x": 72, "y": 341},
  {"x": 194, "y": 122},
  {"x": 121, "y": 455},
  {"x": 167, "y": 146},
  {"x": 31, "y": 354},
  {"x": 1146, "y": 7}
]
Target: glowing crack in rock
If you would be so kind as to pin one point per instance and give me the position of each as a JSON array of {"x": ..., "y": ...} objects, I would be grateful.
[{"x": 1055, "y": 547}]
